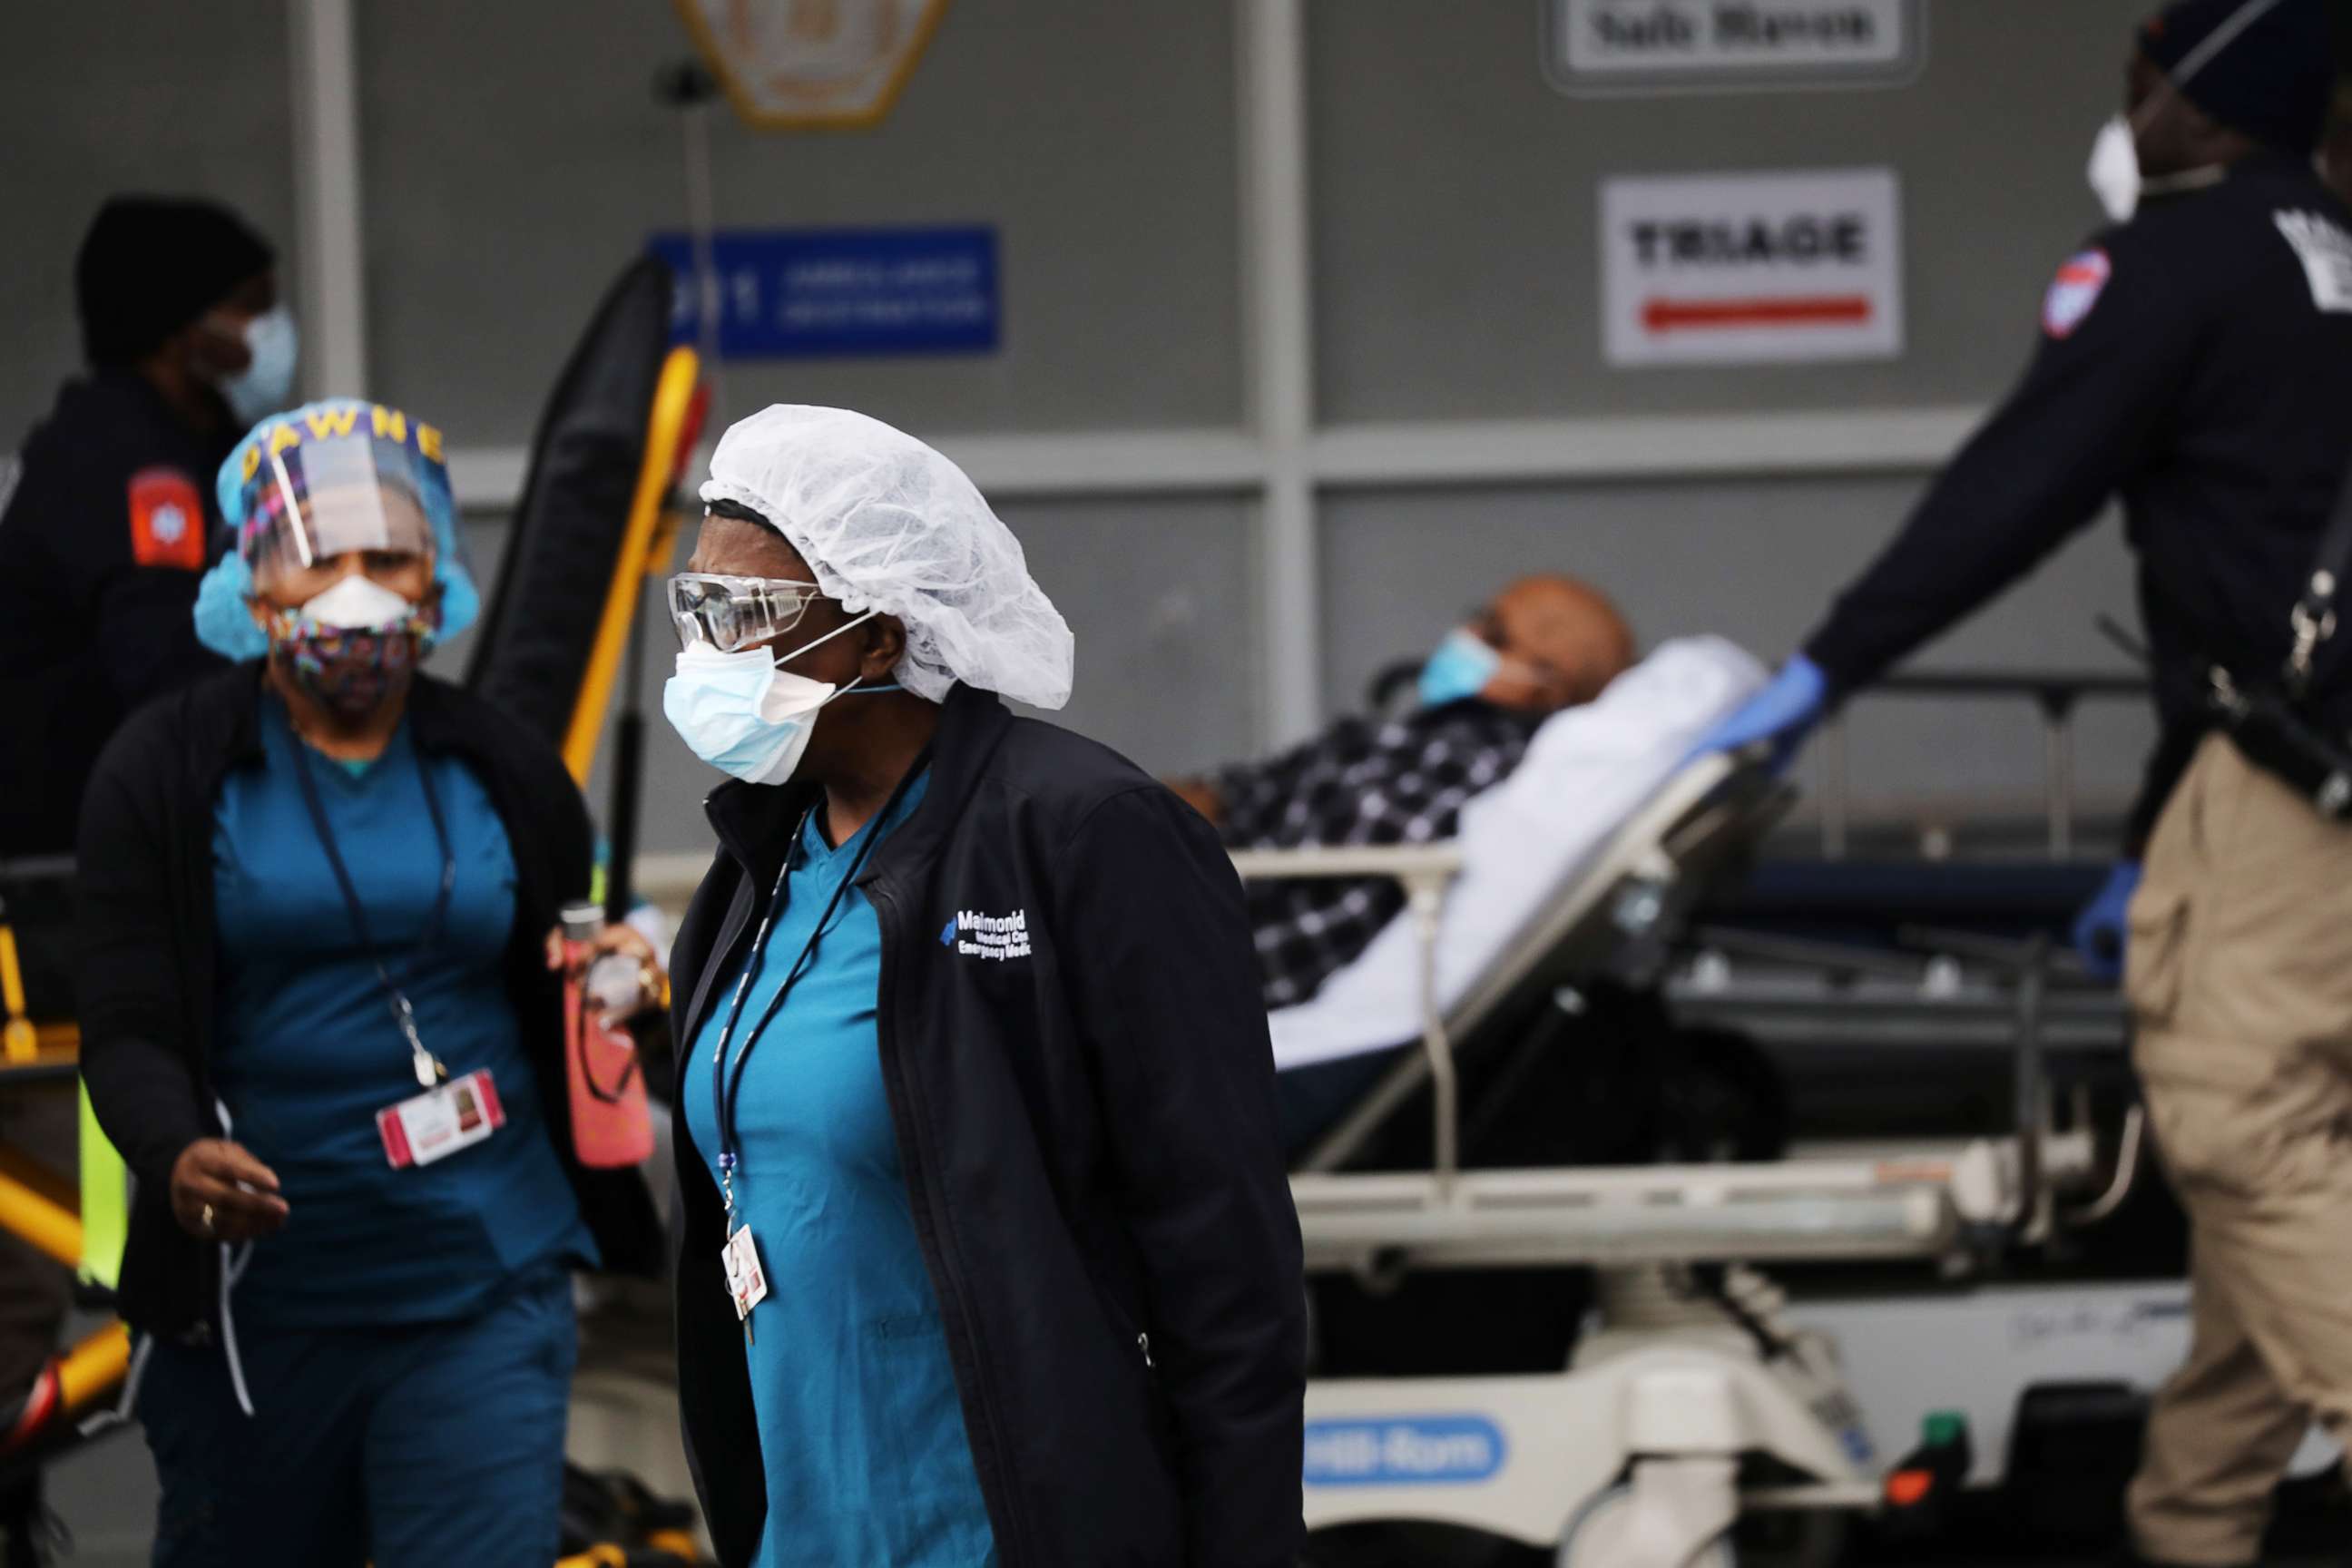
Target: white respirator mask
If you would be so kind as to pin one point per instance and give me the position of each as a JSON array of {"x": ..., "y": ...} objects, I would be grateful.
[
  {"x": 355, "y": 604},
  {"x": 2114, "y": 169},
  {"x": 742, "y": 714}
]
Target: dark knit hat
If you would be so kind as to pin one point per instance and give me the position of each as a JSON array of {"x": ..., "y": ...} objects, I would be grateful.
[
  {"x": 149, "y": 265},
  {"x": 2270, "y": 77}
]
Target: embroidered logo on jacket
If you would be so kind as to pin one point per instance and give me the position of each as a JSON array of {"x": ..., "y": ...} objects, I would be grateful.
[
  {"x": 2325, "y": 252},
  {"x": 2074, "y": 291},
  {"x": 994, "y": 937}
]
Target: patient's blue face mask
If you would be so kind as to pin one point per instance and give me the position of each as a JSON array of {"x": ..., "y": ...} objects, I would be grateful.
[{"x": 1460, "y": 669}]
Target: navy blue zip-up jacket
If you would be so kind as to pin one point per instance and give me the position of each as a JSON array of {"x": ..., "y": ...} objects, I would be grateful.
[
  {"x": 2195, "y": 363},
  {"x": 1089, "y": 1138},
  {"x": 103, "y": 528}
]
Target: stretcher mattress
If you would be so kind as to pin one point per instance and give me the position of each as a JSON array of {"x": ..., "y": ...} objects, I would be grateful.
[{"x": 1587, "y": 770}]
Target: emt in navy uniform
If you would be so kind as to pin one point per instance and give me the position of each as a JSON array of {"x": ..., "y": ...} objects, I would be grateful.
[
  {"x": 987, "y": 1253},
  {"x": 104, "y": 525},
  {"x": 103, "y": 520},
  {"x": 2195, "y": 363},
  {"x": 319, "y": 1022}
]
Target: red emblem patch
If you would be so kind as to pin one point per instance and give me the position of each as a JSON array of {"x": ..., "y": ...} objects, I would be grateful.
[
  {"x": 2074, "y": 291},
  {"x": 167, "y": 520}
]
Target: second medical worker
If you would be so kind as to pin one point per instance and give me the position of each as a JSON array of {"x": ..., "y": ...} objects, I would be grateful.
[{"x": 988, "y": 1255}]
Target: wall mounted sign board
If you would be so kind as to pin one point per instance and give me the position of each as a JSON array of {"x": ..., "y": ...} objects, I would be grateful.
[
  {"x": 789, "y": 293},
  {"x": 804, "y": 64},
  {"x": 1749, "y": 269},
  {"x": 1629, "y": 47}
]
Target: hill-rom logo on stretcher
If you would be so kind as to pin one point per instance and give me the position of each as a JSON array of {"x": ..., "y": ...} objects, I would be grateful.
[{"x": 1405, "y": 1450}]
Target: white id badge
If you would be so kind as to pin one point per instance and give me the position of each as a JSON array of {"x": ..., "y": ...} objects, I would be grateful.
[
  {"x": 746, "y": 1284},
  {"x": 440, "y": 1121}
]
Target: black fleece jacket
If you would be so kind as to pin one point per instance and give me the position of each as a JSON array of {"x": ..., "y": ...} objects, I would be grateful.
[
  {"x": 1080, "y": 1075},
  {"x": 145, "y": 967}
]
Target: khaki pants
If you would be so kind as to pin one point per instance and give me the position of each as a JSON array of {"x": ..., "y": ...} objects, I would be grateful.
[{"x": 2239, "y": 976}]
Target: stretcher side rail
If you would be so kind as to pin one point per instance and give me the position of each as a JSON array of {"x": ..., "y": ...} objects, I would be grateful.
[
  {"x": 1425, "y": 871},
  {"x": 1919, "y": 1201},
  {"x": 1617, "y": 911},
  {"x": 1925, "y": 1201},
  {"x": 2055, "y": 694}
]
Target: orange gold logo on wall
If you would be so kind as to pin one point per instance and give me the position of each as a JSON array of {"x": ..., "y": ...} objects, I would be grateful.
[{"x": 808, "y": 63}]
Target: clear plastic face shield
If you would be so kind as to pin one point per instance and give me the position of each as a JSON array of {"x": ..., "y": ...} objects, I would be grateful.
[
  {"x": 731, "y": 614},
  {"x": 312, "y": 505}
]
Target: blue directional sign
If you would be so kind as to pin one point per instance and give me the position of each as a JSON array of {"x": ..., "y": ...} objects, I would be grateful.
[{"x": 797, "y": 293}]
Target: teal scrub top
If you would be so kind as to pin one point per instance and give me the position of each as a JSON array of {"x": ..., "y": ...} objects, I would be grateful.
[
  {"x": 306, "y": 1051},
  {"x": 861, "y": 1436}
]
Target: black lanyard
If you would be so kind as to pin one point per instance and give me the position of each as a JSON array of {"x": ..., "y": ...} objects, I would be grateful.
[
  {"x": 725, "y": 1082},
  {"x": 429, "y": 1070}
]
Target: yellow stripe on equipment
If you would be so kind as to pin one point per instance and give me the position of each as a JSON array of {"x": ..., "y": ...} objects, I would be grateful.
[{"x": 673, "y": 402}]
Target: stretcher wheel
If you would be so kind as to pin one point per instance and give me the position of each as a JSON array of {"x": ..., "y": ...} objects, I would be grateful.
[{"x": 1591, "y": 1539}]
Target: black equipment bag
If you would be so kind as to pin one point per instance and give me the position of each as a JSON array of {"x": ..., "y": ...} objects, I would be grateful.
[{"x": 564, "y": 541}]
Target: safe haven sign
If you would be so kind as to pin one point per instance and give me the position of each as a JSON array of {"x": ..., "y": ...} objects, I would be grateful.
[
  {"x": 1746, "y": 269},
  {"x": 1649, "y": 45}
]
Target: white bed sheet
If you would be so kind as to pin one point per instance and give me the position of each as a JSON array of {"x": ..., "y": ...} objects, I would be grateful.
[{"x": 1587, "y": 771}]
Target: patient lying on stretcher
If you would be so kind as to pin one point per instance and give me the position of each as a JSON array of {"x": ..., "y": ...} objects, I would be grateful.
[{"x": 1543, "y": 644}]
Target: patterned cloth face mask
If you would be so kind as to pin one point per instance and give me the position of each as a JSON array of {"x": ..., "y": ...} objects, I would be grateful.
[{"x": 350, "y": 648}]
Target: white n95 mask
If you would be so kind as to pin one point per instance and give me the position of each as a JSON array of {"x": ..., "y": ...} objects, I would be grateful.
[
  {"x": 743, "y": 715},
  {"x": 2114, "y": 173},
  {"x": 357, "y": 604},
  {"x": 2114, "y": 176},
  {"x": 2114, "y": 170}
]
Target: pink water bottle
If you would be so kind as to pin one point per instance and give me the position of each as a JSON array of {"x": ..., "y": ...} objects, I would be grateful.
[{"x": 610, "y": 1123}]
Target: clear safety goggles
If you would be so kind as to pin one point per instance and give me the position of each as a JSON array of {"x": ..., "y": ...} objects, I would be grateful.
[
  {"x": 731, "y": 614},
  {"x": 308, "y": 504}
]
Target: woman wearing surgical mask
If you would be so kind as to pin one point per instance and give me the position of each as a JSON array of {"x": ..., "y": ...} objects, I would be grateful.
[
  {"x": 318, "y": 1022},
  {"x": 987, "y": 1253}
]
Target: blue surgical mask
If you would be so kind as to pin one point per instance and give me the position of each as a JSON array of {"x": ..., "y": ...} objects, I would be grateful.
[
  {"x": 1461, "y": 668},
  {"x": 744, "y": 716},
  {"x": 267, "y": 383}
]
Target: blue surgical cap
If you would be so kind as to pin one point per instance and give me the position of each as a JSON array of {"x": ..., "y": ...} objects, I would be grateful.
[{"x": 224, "y": 622}]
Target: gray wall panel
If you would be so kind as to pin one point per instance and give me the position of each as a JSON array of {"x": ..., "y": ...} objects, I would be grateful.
[
  {"x": 148, "y": 95},
  {"x": 1755, "y": 561},
  {"x": 1456, "y": 198},
  {"x": 516, "y": 159}
]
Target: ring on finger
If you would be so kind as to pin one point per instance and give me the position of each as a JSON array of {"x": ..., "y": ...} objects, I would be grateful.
[{"x": 205, "y": 1219}]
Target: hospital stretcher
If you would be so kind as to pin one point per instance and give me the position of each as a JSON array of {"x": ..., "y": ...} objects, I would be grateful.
[{"x": 1686, "y": 1407}]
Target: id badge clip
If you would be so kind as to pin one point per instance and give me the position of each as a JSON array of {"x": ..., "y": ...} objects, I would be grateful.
[
  {"x": 746, "y": 1283},
  {"x": 440, "y": 1121}
]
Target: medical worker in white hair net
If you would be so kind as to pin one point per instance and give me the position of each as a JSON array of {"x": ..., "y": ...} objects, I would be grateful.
[{"x": 987, "y": 1252}]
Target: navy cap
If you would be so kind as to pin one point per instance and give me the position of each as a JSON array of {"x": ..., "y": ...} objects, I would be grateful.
[
  {"x": 2270, "y": 75},
  {"x": 151, "y": 265}
]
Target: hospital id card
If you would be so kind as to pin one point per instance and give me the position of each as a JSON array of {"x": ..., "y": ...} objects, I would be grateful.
[
  {"x": 746, "y": 1284},
  {"x": 440, "y": 1121}
]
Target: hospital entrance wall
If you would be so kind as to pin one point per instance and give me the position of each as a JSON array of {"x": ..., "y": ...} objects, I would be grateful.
[{"x": 513, "y": 156}]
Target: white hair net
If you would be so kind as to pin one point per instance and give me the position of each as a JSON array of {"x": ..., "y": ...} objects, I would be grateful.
[{"x": 889, "y": 524}]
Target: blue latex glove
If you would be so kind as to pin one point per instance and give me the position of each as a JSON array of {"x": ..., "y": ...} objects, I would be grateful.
[
  {"x": 2101, "y": 929},
  {"x": 1783, "y": 713}
]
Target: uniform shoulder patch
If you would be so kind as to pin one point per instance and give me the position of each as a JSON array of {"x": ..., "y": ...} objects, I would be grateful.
[
  {"x": 2325, "y": 252},
  {"x": 167, "y": 520},
  {"x": 2074, "y": 291}
]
